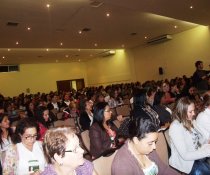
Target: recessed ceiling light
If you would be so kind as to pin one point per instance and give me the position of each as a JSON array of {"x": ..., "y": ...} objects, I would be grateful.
[
  {"x": 145, "y": 37},
  {"x": 80, "y": 32},
  {"x": 79, "y": 50},
  {"x": 28, "y": 28},
  {"x": 95, "y": 44},
  {"x": 47, "y": 50},
  {"x": 66, "y": 56},
  {"x": 191, "y": 7},
  {"x": 175, "y": 27},
  {"x": 48, "y": 5},
  {"x": 8, "y": 50},
  {"x": 17, "y": 43},
  {"x": 122, "y": 45},
  {"x": 79, "y": 60},
  {"x": 107, "y": 14},
  {"x": 61, "y": 44},
  {"x": 3, "y": 57}
]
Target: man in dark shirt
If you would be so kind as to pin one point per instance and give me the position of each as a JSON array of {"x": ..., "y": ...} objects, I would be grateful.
[{"x": 200, "y": 77}]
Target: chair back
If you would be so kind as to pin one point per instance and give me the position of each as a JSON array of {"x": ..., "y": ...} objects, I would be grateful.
[
  {"x": 59, "y": 123},
  {"x": 161, "y": 148},
  {"x": 123, "y": 110},
  {"x": 86, "y": 139},
  {"x": 103, "y": 164},
  {"x": 166, "y": 133},
  {"x": 70, "y": 122},
  {"x": 59, "y": 115}
]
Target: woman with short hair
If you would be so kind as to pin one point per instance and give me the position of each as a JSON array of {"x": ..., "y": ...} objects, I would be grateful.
[{"x": 64, "y": 154}]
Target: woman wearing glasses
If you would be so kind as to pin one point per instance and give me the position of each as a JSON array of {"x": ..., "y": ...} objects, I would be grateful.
[
  {"x": 103, "y": 133},
  {"x": 64, "y": 154},
  {"x": 26, "y": 155}
]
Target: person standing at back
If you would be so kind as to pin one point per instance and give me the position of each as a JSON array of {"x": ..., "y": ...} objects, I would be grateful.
[{"x": 200, "y": 77}]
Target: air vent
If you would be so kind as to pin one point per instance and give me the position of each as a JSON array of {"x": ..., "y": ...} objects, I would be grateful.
[
  {"x": 159, "y": 39},
  {"x": 96, "y": 4},
  {"x": 9, "y": 68},
  {"x": 12, "y": 24}
]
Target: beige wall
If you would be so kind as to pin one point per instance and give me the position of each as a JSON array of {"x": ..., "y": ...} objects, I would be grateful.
[
  {"x": 112, "y": 69},
  {"x": 177, "y": 56},
  {"x": 39, "y": 77}
]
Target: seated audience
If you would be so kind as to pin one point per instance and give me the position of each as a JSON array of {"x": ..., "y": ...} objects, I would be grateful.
[
  {"x": 188, "y": 151},
  {"x": 43, "y": 120},
  {"x": 137, "y": 156},
  {"x": 5, "y": 136},
  {"x": 26, "y": 155},
  {"x": 167, "y": 97},
  {"x": 163, "y": 112},
  {"x": 203, "y": 118},
  {"x": 86, "y": 116},
  {"x": 64, "y": 154},
  {"x": 142, "y": 105},
  {"x": 103, "y": 133}
]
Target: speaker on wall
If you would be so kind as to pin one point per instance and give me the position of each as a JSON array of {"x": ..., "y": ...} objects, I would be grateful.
[{"x": 160, "y": 70}]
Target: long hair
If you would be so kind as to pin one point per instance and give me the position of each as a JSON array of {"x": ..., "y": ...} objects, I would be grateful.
[
  {"x": 180, "y": 112},
  {"x": 2, "y": 116},
  {"x": 98, "y": 114},
  {"x": 39, "y": 115}
]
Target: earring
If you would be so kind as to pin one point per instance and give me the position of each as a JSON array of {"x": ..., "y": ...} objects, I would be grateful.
[{"x": 60, "y": 164}]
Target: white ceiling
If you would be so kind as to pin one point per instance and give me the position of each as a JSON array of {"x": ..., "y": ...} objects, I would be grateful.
[{"x": 62, "y": 21}]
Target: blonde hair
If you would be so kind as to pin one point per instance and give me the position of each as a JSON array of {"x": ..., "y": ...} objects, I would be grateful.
[
  {"x": 180, "y": 112},
  {"x": 55, "y": 142}
]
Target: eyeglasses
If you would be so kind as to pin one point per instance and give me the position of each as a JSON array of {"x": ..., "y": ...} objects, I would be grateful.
[
  {"x": 30, "y": 137},
  {"x": 75, "y": 150},
  {"x": 107, "y": 111}
]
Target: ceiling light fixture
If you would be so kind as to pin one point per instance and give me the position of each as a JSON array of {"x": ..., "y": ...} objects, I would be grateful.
[
  {"x": 66, "y": 56},
  {"x": 28, "y": 28},
  {"x": 191, "y": 7},
  {"x": 145, "y": 37},
  {"x": 61, "y": 44},
  {"x": 175, "y": 27},
  {"x": 95, "y": 44},
  {"x": 107, "y": 14},
  {"x": 3, "y": 57},
  {"x": 8, "y": 50},
  {"x": 48, "y": 5},
  {"x": 17, "y": 43},
  {"x": 80, "y": 32},
  {"x": 47, "y": 50}
]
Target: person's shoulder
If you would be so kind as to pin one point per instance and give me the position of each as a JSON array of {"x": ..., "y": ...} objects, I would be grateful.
[{"x": 49, "y": 170}]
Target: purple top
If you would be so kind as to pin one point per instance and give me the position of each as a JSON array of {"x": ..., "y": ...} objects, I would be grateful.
[{"x": 85, "y": 169}]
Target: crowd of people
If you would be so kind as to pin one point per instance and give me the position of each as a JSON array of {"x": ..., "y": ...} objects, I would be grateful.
[{"x": 30, "y": 144}]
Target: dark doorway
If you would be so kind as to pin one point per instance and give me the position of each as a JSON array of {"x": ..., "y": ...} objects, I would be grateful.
[{"x": 67, "y": 85}]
